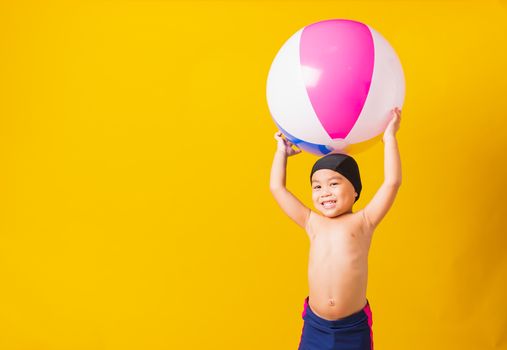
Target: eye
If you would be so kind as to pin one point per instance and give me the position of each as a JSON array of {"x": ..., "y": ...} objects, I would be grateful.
[
  {"x": 335, "y": 183},
  {"x": 316, "y": 187}
]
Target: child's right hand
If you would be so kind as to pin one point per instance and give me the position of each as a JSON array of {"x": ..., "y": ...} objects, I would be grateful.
[{"x": 285, "y": 146}]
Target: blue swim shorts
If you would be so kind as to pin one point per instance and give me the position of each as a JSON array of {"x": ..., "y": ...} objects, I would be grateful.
[{"x": 352, "y": 332}]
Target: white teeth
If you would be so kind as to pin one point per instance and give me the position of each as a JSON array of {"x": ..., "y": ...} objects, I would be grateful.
[{"x": 328, "y": 204}]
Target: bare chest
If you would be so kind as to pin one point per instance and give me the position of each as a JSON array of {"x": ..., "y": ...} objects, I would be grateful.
[{"x": 344, "y": 241}]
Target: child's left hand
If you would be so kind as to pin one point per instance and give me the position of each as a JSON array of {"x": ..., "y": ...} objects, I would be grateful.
[{"x": 394, "y": 124}]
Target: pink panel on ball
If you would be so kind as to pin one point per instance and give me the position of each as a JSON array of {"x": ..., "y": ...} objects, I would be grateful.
[{"x": 337, "y": 58}]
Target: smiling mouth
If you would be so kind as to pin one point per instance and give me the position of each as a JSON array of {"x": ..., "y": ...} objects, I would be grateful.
[{"x": 328, "y": 204}]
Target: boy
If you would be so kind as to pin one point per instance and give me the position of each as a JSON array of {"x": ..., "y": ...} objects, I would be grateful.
[{"x": 336, "y": 312}]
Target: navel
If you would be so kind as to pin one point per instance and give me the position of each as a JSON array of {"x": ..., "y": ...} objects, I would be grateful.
[{"x": 331, "y": 302}]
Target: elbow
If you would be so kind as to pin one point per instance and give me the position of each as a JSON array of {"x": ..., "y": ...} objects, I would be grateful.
[
  {"x": 276, "y": 188},
  {"x": 394, "y": 183}
]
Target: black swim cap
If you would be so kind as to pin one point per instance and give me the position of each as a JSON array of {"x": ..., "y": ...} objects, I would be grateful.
[{"x": 343, "y": 164}]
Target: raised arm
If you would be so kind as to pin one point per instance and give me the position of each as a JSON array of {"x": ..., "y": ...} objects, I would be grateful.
[
  {"x": 380, "y": 204},
  {"x": 296, "y": 210}
]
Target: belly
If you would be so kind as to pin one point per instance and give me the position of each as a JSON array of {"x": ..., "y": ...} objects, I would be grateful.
[{"x": 337, "y": 286}]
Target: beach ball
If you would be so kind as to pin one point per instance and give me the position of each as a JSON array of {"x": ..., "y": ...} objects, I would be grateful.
[{"x": 332, "y": 85}]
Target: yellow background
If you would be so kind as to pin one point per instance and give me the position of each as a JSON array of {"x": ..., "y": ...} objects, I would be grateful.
[{"x": 135, "y": 150}]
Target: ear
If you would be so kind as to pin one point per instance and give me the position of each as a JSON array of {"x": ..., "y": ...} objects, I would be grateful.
[{"x": 355, "y": 194}]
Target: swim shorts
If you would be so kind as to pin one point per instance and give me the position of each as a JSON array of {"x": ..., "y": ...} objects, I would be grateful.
[{"x": 352, "y": 332}]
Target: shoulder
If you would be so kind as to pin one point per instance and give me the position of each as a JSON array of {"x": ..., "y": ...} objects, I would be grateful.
[
  {"x": 362, "y": 219},
  {"x": 311, "y": 222}
]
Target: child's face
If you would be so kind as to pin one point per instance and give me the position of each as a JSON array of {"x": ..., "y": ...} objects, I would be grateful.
[{"x": 328, "y": 185}]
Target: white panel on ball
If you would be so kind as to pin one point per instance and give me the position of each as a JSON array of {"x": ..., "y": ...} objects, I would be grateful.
[{"x": 288, "y": 100}]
